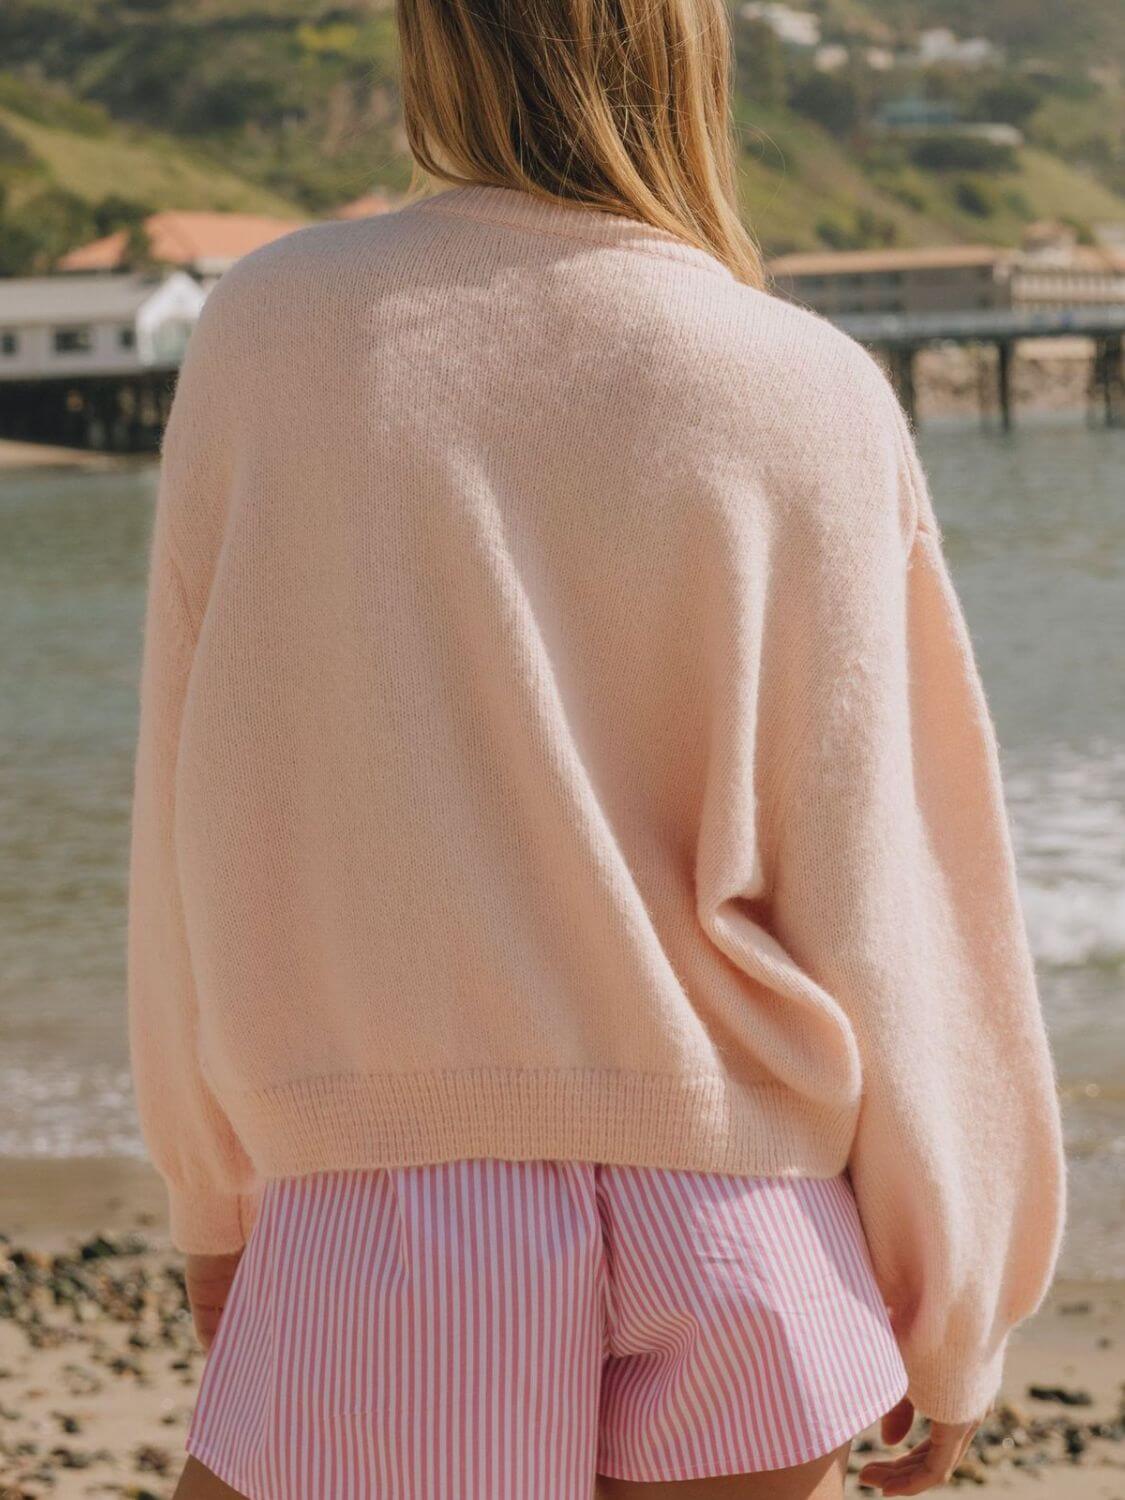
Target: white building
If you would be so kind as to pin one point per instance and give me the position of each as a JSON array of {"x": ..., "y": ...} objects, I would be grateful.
[
  {"x": 103, "y": 323},
  {"x": 797, "y": 28},
  {"x": 939, "y": 45},
  {"x": 831, "y": 57}
]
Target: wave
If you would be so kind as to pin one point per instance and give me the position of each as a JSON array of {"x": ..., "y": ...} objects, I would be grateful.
[{"x": 1068, "y": 825}]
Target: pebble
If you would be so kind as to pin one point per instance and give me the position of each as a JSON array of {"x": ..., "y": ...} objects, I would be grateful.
[
  {"x": 153, "y": 1460},
  {"x": 1060, "y": 1393}
]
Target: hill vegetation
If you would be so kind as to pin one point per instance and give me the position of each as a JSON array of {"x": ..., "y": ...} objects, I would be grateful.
[{"x": 110, "y": 109}]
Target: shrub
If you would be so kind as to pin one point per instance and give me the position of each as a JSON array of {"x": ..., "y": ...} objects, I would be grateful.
[
  {"x": 974, "y": 198},
  {"x": 829, "y": 99},
  {"x": 1010, "y": 100},
  {"x": 951, "y": 151},
  {"x": 14, "y": 151}
]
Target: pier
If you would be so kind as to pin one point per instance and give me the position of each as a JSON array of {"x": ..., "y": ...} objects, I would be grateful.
[
  {"x": 900, "y": 336},
  {"x": 90, "y": 360}
]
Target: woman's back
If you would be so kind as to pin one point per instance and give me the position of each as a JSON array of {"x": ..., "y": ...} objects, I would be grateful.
[
  {"x": 480, "y": 721},
  {"x": 567, "y": 744}
]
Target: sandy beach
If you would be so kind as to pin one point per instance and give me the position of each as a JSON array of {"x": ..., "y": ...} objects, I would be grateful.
[{"x": 99, "y": 1365}]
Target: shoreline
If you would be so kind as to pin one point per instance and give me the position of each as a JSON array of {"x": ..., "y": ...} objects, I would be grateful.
[
  {"x": 99, "y": 1366},
  {"x": 16, "y": 455}
]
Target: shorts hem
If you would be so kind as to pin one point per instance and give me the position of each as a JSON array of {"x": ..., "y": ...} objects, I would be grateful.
[{"x": 665, "y": 1474}]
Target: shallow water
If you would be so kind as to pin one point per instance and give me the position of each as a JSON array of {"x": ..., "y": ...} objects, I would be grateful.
[{"x": 1035, "y": 533}]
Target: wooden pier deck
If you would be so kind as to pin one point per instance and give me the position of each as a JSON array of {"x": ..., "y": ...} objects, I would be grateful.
[{"x": 901, "y": 335}]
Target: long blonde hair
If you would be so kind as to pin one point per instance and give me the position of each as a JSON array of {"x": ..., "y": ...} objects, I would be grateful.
[{"x": 622, "y": 105}]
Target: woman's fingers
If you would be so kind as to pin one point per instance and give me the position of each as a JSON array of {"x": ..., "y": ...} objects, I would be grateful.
[
  {"x": 890, "y": 1470},
  {"x": 897, "y": 1423},
  {"x": 208, "y": 1279},
  {"x": 928, "y": 1464}
]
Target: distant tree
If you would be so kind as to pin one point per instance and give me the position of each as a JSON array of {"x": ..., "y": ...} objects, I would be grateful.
[
  {"x": 835, "y": 235},
  {"x": 952, "y": 151},
  {"x": 53, "y": 221},
  {"x": 906, "y": 193},
  {"x": 1068, "y": 85},
  {"x": 45, "y": 225},
  {"x": 19, "y": 248},
  {"x": 1084, "y": 234},
  {"x": 831, "y": 99},
  {"x": 14, "y": 150},
  {"x": 116, "y": 212},
  {"x": 873, "y": 229},
  {"x": 1016, "y": 201},
  {"x": 973, "y": 198},
  {"x": 941, "y": 81},
  {"x": 866, "y": 230},
  {"x": 760, "y": 64},
  {"x": 137, "y": 254},
  {"x": 1011, "y": 100}
]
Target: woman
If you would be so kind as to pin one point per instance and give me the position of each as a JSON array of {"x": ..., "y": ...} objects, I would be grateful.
[{"x": 576, "y": 970}]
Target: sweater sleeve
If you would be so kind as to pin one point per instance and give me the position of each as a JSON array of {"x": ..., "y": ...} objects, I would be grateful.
[
  {"x": 895, "y": 890},
  {"x": 210, "y": 1184}
]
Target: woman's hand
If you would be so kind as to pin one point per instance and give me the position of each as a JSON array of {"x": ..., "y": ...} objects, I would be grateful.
[
  {"x": 208, "y": 1279},
  {"x": 929, "y": 1463}
]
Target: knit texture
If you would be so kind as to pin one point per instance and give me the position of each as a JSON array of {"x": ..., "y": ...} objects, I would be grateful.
[{"x": 560, "y": 737}]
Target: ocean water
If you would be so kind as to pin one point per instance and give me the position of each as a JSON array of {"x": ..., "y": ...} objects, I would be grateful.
[{"x": 1034, "y": 527}]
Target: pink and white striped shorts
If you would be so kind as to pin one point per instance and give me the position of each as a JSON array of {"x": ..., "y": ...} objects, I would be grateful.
[{"x": 500, "y": 1330}]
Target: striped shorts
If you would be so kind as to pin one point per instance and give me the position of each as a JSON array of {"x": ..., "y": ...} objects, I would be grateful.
[{"x": 499, "y": 1330}]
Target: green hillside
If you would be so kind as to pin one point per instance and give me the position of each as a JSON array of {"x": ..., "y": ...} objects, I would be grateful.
[
  {"x": 1065, "y": 32},
  {"x": 158, "y": 170},
  {"x": 112, "y": 108},
  {"x": 804, "y": 190},
  {"x": 68, "y": 174}
]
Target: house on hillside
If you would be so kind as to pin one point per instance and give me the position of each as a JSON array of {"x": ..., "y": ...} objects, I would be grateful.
[
  {"x": 1049, "y": 271},
  {"x": 202, "y": 243},
  {"x": 935, "y": 279},
  {"x": 1054, "y": 270},
  {"x": 94, "y": 324},
  {"x": 913, "y": 112},
  {"x": 938, "y": 46}
]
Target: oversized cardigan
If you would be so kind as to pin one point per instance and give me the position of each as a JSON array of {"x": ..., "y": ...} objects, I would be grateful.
[{"x": 560, "y": 738}]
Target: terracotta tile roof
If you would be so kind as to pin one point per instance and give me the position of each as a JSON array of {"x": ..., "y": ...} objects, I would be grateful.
[
  {"x": 370, "y": 203},
  {"x": 182, "y": 237}
]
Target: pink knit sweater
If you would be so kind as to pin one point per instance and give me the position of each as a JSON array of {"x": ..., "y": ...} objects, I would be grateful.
[{"x": 560, "y": 738}]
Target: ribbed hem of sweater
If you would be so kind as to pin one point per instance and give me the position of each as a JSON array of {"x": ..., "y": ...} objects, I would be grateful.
[
  {"x": 949, "y": 1387},
  {"x": 696, "y": 1123},
  {"x": 205, "y": 1222}
]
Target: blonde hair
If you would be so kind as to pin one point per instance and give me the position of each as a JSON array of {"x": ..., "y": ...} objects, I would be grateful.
[{"x": 622, "y": 105}]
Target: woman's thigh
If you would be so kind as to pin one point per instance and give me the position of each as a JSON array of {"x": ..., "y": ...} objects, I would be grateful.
[
  {"x": 198, "y": 1483},
  {"x": 820, "y": 1479}
]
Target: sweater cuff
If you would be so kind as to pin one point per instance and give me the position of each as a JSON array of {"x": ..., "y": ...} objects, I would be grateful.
[
  {"x": 204, "y": 1222},
  {"x": 950, "y": 1387}
]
